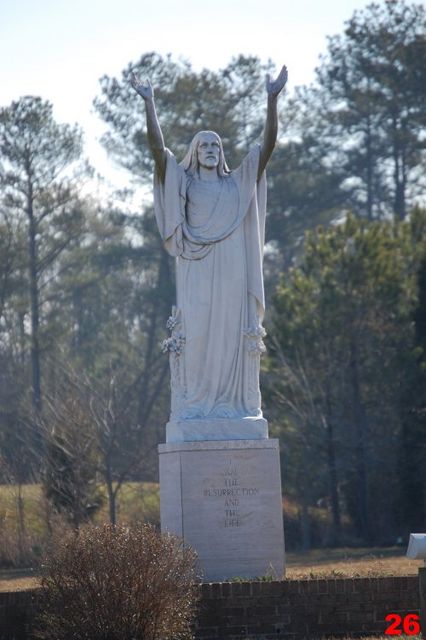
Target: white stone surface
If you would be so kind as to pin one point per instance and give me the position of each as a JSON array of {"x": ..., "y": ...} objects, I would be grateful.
[
  {"x": 213, "y": 223},
  {"x": 212, "y": 220},
  {"x": 217, "y": 429},
  {"x": 417, "y": 546},
  {"x": 224, "y": 499}
]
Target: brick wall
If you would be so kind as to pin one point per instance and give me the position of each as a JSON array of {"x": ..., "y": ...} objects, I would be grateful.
[
  {"x": 296, "y": 609},
  {"x": 17, "y": 610},
  {"x": 292, "y": 609}
]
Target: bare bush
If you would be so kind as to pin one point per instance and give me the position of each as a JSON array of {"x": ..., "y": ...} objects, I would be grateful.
[{"x": 119, "y": 583}]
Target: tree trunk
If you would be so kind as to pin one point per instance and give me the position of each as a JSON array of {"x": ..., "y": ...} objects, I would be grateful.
[
  {"x": 399, "y": 173},
  {"x": 305, "y": 525},
  {"x": 370, "y": 170},
  {"x": 147, "y": 399},
  {"x": 360, "y": 455},
  {"x": 334, "y": 495},
  {"x": 305, "y": 499},
  {"x": 112, "y": 507},
  {"x": 77, "y": 339},
  {"x": 34, "y": 297},
  {"x": 21, "y": 524},
  {"x": 332, "y": 474}
]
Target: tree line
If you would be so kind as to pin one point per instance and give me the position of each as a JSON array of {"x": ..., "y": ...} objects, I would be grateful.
[{"x": 85, "y": 287}]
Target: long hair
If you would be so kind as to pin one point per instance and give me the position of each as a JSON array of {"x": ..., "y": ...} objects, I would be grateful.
[{"x": 190, "y": 161}]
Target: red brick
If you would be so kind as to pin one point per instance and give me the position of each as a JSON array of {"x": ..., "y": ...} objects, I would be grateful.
[
  {"x": 322, "y": 586},
  {"x": 276, "y": 588},
  {"x": 373, "y": 627},
  {"x": 287, "y": 609},
  {"x": 263, "y": 611},
  {"x": 361, "y": 616},
  {"x": 292, "y": 587},
  {"x": 339, "y": 586},
  {"x": 212, "y": 632},
  {"x": 256, "y": 588},
  {"x": 215, "y": 590},
  {"x": 304, "y": 586},
  {"x": 240, "y": 631}
]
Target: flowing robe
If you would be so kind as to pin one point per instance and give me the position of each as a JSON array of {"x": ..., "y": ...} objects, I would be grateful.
[{"x": 215, "y": 229}]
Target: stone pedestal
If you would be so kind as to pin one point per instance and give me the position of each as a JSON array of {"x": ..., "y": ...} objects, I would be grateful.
[
  {"x": 217, "y": 429},
  {"x": 224, "y": 499}
]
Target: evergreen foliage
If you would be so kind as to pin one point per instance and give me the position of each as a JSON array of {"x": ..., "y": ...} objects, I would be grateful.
[
  {"x": 371, "y": 89},
  {"x": 342, "y": 351}
]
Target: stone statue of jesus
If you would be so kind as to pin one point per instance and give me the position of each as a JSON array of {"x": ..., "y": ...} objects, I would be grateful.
[{"x": 212, "y": 220}]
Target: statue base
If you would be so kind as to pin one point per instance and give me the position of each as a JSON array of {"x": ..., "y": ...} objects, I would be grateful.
[
  {"x": 202, "y": 429},
  {"x": 224, "y": 499}
]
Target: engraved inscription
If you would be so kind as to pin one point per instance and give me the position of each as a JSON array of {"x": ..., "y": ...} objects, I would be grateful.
[{"x": 236, "y": 497}]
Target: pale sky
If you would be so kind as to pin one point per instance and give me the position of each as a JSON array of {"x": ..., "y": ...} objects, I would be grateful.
[{"x": 58, "y": 49}]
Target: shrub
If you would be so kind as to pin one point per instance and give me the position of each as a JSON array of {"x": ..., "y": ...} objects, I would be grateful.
[{"x": 118, "y": 583}]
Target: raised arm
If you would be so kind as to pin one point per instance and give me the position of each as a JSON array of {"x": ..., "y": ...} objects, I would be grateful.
[
  {"x": 155, "y": 135},
  {"x": 271, "y": 126}
]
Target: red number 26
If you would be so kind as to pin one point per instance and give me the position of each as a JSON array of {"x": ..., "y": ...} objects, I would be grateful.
[{"x": 410, "y": 624}]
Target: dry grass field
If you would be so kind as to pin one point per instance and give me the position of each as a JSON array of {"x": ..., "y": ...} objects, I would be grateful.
[
  {"x": 319, "y": 563},
  {"x": 136, "y": 500},
  {"x": 18, "y": 580},
  {"x": 141, "y": 501},
  {"x": 340, "y": 563}
]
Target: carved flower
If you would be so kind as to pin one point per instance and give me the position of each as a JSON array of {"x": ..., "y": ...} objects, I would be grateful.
[
  {"x": 255, "y": 343},
  {"x": 174, "y": 344},
  {"x": 255, "y": 332},
  {"x": 171, "y": 323},
  {"x": 174, "y": 319},
  {"x": 256, "y": 347}
]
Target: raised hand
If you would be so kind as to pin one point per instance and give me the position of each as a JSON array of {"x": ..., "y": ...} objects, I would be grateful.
[
  {"x": 273, "y": 88},
  {"x": 144, "y": 90}
]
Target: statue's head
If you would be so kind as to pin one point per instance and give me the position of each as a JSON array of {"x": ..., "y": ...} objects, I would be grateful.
[{"x": 205, "y": 150}]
